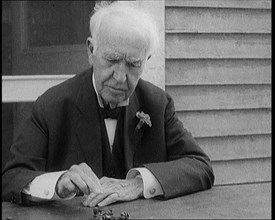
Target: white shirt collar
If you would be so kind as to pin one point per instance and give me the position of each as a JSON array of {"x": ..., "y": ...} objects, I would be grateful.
[{"x": 123, "y": 103}]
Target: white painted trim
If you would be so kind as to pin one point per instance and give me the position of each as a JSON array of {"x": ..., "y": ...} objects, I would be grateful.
[{"x": 27, "y": 88}]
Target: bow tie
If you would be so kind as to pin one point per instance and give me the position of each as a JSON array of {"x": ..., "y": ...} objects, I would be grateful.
[{"x": 107, "y": 112}]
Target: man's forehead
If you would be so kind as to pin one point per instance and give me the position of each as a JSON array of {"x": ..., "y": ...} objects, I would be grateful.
[
  {"x": 117, "y": 46},
  {"x": 119, "y": 55}
]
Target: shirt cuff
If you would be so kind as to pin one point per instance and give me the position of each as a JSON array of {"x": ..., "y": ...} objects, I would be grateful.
[
  {"x": 43, "y": 187},
  {"x": 151, "y": 186}
]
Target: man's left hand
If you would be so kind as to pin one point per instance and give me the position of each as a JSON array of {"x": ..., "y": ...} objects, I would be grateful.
[{"x": 115, "y": 190}]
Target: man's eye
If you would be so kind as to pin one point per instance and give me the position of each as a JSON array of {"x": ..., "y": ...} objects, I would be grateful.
[
  {"x": 113, "y": 60},
  {"x": 134, "y": 64}
]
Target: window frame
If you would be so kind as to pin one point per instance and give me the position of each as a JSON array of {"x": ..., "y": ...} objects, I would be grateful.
[{"x": 27, "y": 88}]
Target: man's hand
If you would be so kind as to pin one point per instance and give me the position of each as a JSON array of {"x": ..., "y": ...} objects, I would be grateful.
[
  {"x": 79, "y": 179},
  {"x": 115, "y": 190}
]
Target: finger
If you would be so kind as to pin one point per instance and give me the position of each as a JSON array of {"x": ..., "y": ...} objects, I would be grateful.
[
  {"x": 88, "y": 198},
  {"x": 109, "y": 200},
  {"x": 93, "y": 199},
  {"x": 77, "y": 179},
  {"x": 89, "y": 181},
  {"x": 66, "y": 184},
  {"x": 66, "y": 188},
  {"x": 93, "y": 184},
  {"x": 90, "y": 178}
]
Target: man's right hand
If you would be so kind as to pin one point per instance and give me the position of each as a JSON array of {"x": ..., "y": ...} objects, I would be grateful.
[{"x": 77, "y": 180}]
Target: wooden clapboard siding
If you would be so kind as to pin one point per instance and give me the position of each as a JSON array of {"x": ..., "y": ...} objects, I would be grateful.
[
  {"x": 217, "y": 20},
  {"x": 190, "y": 45},
  {"x": 242, "y": 171},
  {"x": 236, "y": 147},
  {"x": 217, "y": 97},
  {"x": 227, "y": 122},
  {"x": 218, "y": 71},
  {"x": 256, "y": 4}
]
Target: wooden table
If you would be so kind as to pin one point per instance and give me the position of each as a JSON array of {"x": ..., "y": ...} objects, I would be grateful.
[{"x": 220, "y": 202}]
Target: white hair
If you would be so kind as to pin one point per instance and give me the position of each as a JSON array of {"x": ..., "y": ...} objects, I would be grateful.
[{"x": 138, "y": 20}]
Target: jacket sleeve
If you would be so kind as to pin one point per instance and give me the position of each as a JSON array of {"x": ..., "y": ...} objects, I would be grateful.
[
  {"x": 29, "y": 153},
  {"x": 187, "y": 169}
]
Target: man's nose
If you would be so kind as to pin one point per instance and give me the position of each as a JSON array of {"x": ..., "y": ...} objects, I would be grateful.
[{"x": 120, "y": 73}]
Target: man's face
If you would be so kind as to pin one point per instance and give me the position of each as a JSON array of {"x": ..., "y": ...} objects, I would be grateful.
[{"x": 118, "y": 62}]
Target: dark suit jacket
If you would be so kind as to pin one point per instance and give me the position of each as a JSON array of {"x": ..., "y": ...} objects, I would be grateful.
[{"x": 63, "y": 130}]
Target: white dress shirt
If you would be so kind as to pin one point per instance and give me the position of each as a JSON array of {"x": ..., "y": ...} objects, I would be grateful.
[{"x": 43, "y": 186}]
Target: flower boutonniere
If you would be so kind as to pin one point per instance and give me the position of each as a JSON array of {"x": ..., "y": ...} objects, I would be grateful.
[{"x": 143, "y": 118}]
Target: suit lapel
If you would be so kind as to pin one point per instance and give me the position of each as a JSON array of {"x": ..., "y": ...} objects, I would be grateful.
[
  {"x": 88, "y": 125},
  {"x": 131, "y": 137}
]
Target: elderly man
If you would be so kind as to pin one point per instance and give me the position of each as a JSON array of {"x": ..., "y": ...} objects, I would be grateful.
[{"x": 106, "y": 134}]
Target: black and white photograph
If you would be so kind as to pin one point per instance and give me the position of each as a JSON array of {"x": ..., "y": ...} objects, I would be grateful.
[{"x": 139, "y": 109}]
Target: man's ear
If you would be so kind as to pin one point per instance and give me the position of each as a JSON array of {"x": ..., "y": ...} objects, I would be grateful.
[
  {"x": 90, "y": 50},
  {"x": 90, "y": 47}
]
